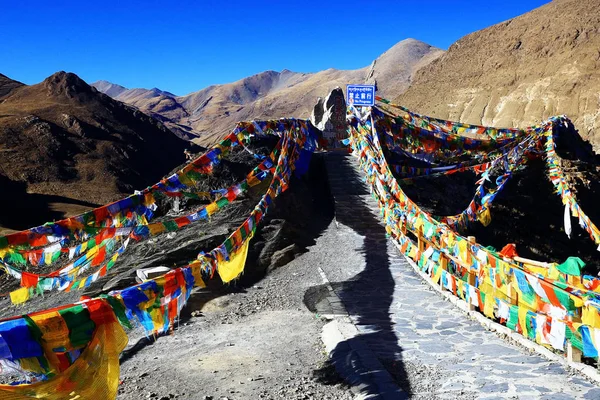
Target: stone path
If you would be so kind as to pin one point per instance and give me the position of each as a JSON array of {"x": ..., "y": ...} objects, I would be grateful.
[{"x": 429, "y": 346}]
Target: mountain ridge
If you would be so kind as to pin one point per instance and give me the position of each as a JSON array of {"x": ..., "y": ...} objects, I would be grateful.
[
  {"x": 207, "y": 114},
  {"x": 7, "y": 85}
]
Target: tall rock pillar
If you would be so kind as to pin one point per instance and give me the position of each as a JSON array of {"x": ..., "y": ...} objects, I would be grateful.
[{"x": 329, "y": 116}]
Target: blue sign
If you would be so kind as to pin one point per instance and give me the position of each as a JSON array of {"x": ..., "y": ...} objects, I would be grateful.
[{"x": 361, "y": 95}]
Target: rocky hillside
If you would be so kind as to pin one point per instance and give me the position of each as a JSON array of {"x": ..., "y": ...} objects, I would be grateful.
[
  {"x": 211, "y": 112},
  {"x": 7, "y": 85},
  {"x": 518, "y": 72},
  {"x": 63, "y": 141}
]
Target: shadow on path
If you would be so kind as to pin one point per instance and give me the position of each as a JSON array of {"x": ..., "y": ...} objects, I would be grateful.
[{"x": 368, "y": 295}]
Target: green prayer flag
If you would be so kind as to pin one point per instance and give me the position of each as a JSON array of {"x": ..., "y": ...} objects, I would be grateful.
[
  {"x": 222, "y": 202},
  {"x": 119, "y": 310},
  {"x": 228, "y": 245},
  {"x": 572, "y": 266},
  {"x": 513, "y": 318},
  {"x": 190, "y": 195},
  {"x": 55, "y": 256},
  {"x": 81, "y": 327},
  {"x": 194, "y": 176},
  {"x": 530, "y": 317},
  {"x": 563, "y": 297},
  {"x": 574, "y": 338},
  {"x": 17, "y": 258},
  {"x": 170, "y": 226}
]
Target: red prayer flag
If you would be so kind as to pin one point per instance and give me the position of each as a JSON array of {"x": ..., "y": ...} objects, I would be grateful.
[
  {"x": 100, "y": 312},
  {"x": 182, "y": 221},
  {"x": 17, "y": 238},
  {"x": 99, "y": 258},
  {"x": 29, "y": 280},
  {"x": 39, "y": 241}
]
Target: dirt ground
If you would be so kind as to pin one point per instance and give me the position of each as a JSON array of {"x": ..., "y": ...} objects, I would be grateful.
[{"x": 258, "y": 342}]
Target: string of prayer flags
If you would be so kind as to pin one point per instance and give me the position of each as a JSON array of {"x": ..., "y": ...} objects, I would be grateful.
[
  {"x": 530, "y": 300},
  {"x": 65, "y": 278},
  {"x": 456, "y": 127},
  {"x": 557, "y": 177}
]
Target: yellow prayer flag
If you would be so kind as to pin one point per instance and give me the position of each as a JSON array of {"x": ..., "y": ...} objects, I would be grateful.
[
  {"x": 196, "y": 273},
  {"x": 185, "y": 180},
  {"x": 19, "y": 296},
  {"x": 485, "y": 217},
  {"x": 158, "y": 319},
  {"x": 450, "y": 240},
  {"x": 460, "y": 288},
  {"x": 577, "y": 301},
  {"x": 536, "y": 270},
  {"x": 212, "y": 208},
  {"x": 229, "y": 270},
  {"x": 55, "y": 332},
  {"x": 462, "y": 246},
  {"x": 156, "y": 228},
  {"x": 437, "y": 274},
  {"x": 590, "y": 316},
  {"x": 488, "y": 307},
  {"x": 412, "y": 252},
  {"x": 523, "y": 321},
  {"x": 553, "y": 272},
  {"x": 252, "y": 181}
]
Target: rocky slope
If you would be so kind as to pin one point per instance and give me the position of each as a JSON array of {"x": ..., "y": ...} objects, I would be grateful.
[
  {"x": 7, "y": 85},
  {"x": 213, "y": 111},
  {"x": 63, "y": 142},
  {"x": 518, "y": 72}
]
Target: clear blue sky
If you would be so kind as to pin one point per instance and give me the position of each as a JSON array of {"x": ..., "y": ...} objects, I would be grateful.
[{"x": 183, "y": 46}]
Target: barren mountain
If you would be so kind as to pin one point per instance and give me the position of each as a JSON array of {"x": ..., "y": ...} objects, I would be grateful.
[
  {"x": 213, "y": 111},
  {"x": 111, "y": 89},
  {"x": 154, "y": 102},
  {"x": 64, "y": 142},
  {"x": 519, "y": 72},
  {"x": 7, "y": 85}
]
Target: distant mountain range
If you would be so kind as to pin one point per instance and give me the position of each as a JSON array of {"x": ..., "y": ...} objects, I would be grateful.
[
  {"x": 519, "y": 72},
  {"x": 206, "y": 115}
]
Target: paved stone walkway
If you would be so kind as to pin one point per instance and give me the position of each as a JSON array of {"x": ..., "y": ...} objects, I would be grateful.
[{"x": 429, "y": 346}]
